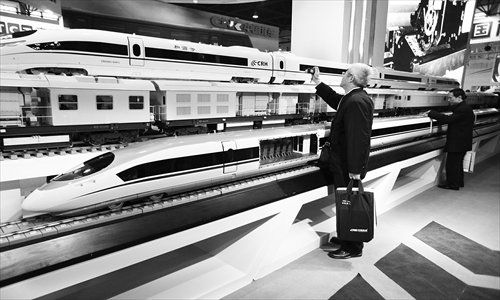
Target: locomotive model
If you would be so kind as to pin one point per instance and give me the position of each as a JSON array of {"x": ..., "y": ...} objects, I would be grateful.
[{"x": 174, "y": 164}]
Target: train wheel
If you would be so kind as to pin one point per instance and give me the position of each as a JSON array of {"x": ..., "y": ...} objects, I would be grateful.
[
  {"x": 157, "y": 197},
  {"x": 115, "y": 206}
]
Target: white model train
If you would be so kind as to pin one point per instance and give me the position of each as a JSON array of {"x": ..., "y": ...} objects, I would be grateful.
[
  {"x": 39, "y": 111},
  {"x": 175, "y": 164},
  {"x": 105, "y": 53},
  {"x": 196, "y": 88}
]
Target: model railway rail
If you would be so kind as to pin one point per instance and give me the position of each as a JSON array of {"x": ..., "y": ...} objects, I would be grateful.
[
  {"x": 49, "y": 151},
  {"x": 43, "y": 226},
  {"x": 30, "y": 230},
  {"x": 47, "y": 244},
  {"x": 489, "y": 115},
  {"x": 114, "y": 232},
  {"x": 54, "y": 152}
]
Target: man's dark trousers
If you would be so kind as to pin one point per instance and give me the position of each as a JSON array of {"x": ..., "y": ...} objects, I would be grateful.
[{"x": 454, "y": 169}]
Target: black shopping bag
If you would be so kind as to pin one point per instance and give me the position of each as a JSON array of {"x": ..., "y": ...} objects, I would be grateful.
[{"x": 356, "y": 215}]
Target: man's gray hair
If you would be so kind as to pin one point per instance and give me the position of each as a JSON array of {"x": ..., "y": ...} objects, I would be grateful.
[{"x": 361, "y": 73}]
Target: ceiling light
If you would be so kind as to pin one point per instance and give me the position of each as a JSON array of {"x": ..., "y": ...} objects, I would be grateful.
[{"x": 255, "y": 15}]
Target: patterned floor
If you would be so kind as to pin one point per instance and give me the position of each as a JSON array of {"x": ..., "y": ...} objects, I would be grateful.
[{"x": 441, "y": 244}]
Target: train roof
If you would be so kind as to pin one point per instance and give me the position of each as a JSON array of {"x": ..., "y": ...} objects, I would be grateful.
[
  {"x": 81, "y": 82},
  {"x": 197, "y": 144}
]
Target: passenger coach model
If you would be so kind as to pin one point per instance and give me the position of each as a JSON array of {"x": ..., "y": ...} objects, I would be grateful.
[{"x": 60, "y": 87}]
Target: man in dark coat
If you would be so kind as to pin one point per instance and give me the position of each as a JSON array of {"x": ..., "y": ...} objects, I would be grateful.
[
  {"x": 458, "y": 137},
  {"x": 350, "y": 135}
]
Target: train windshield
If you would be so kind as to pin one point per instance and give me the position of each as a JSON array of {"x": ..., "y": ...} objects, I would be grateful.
[
  {"x": 16, "y": 34},
  {"x": 89, "y": 167}
]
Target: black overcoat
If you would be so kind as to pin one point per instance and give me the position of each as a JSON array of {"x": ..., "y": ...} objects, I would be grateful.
[
  {"x": 460, "y": 123},
  {"x": 350, "y": 132}
]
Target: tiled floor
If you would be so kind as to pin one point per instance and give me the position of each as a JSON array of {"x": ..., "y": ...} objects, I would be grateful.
[{"x": 472, "y": 213}]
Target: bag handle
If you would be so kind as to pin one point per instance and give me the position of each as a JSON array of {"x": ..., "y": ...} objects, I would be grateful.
[
  {"x": 351, "y": 184},
  {"x": 361, "y": 190}
]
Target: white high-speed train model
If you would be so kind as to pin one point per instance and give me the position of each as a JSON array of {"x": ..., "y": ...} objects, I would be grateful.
[
  {"x": 105, "y": 53},
  {"x": 175, "y": 164}
]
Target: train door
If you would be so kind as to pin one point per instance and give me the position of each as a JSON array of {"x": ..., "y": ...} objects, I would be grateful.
[
  {"x": 230, "y": 165},
  {"x": 279, "y": 68},
  {"x": 136, "y": 51}
]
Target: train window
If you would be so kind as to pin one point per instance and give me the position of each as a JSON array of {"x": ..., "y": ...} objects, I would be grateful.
[
  {"x": 204, "y": 110},
  {"x": 222, "y": 109},
  {"x": 104, "y": 102},
  {"x": 183, "y": 111},
  {"x": 183, "y": 98},
  {"x": 222, "y": 98},
  {"x": 136, "y": 49},
  {"x": 186, "y": 163},
  {"x": 203, "y": 98},
  {"x": 83, "y": 47},
  {"x": 68, "y": 102},
  {"x": 136, "y": 102},
  {"x": 191, "y": 56},
  {"x": 89, "y": 167}
]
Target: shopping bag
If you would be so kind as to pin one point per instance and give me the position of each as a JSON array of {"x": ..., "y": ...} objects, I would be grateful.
[
  {"x": 356, "y": 215},
  {"x": 469, "y": 161}
]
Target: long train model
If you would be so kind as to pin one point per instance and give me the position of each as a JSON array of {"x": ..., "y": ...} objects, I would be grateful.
[
  {"x": 129, "y": 84},
  {"x": 174, "y": 164},
  {"x": 104, "y": 53}
]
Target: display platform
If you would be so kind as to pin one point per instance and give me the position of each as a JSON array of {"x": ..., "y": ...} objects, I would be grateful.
[{"x": 220, "y": 256}]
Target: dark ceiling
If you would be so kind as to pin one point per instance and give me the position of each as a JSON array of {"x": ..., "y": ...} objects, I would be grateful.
[
  {"x": 279, "y": 12},
  {"x": 271, "y": 12}
]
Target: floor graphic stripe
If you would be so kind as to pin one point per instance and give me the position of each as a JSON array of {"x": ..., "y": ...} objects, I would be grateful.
[
  {"x": 473, "y": 256},
  {"x": 420, "y": 277},
  {"x": 357, "y": 288}
]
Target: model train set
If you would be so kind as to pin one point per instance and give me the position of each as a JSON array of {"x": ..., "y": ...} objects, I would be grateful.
[
  {"x": 62, "y": 87},
  {"x": 67, "y": 86},
  {"x": 213, "y": 136}
]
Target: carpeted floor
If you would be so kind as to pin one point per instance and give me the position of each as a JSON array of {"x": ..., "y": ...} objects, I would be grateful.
[
  {"x": 473, "y": 256},
  {"x": 440, "y": 244}
]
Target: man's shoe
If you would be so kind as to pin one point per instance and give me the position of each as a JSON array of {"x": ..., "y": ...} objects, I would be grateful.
[
  {"x": 448, "y": 187},
  {"x": 342, "y": 254},
  {"x": 335, "y": 240},
  {"x": 335, "y": 252}
]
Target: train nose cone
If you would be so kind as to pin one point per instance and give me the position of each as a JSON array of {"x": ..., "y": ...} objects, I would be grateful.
[{"x": 35, "y": 202}]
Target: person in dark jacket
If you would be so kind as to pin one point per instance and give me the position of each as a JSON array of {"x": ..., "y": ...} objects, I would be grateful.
[
  {"x": 458, "y": 137},
  {"x": 350, "y": 135}
]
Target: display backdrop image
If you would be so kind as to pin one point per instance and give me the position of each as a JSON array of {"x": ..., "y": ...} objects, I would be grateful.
[
  {"x": 428, "y": 36},
  {"x": 481, "y": 71}
]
